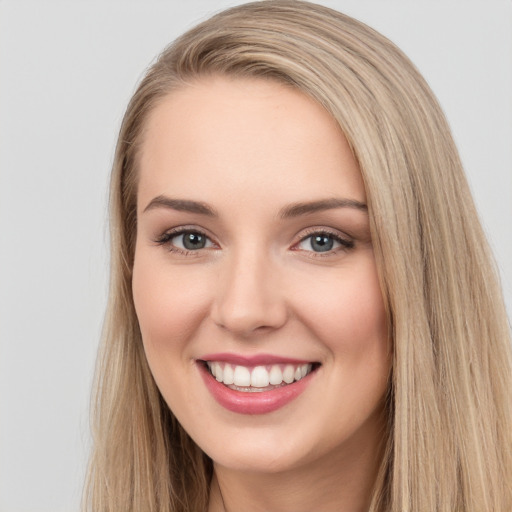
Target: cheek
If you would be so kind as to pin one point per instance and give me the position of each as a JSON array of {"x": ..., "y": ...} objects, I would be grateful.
[
  {"x": 351, "y": 322},
  {"x": 170, "y": 303},
  {"x": 347, "y": 311}
]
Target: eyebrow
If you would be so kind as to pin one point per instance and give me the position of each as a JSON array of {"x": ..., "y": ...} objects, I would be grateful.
[
  {"x": 290, "y": 211},
  {"x": 181, "y": 205},
  {"x": 298, "y": 209}
]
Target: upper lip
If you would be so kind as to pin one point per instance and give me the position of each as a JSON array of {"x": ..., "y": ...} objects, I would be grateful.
[{"x": 252, "y": 360}]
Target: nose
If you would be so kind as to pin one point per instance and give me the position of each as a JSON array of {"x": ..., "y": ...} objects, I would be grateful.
[{"x": 249, "y": 298}]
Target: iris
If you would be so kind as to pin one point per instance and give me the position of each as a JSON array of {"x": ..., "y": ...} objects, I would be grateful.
[
  {"x": 193, "y": 241},
  {"x": 322, "y": 243}
]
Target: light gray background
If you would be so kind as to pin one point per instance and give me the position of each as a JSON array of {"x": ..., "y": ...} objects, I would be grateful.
[{"x": 67, "y": 70}]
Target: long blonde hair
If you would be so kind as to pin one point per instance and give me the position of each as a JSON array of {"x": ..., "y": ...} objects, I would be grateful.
[{"x": 449, "y": 409}]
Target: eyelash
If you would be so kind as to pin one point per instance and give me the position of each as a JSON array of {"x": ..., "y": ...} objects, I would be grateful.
[
  {"x": 166, "y": 238},
  {"x": 345, "y": 244}
]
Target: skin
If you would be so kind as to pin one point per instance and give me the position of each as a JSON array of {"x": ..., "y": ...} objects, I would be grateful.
[{"x": 249, "y": 149}]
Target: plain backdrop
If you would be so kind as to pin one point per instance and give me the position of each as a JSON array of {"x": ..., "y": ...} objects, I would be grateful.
[{"x": 67, "y": 70}]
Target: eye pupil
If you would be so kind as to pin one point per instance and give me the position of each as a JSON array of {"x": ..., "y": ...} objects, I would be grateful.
[
  {"x": 322, "y": 243},
  {"x": 193, "y": 241}
]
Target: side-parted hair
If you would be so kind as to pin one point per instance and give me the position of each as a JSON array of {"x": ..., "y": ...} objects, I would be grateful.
[{"x": 449, "y": 437}]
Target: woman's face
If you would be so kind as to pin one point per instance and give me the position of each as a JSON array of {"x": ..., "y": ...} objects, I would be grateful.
[{"x": 254, "y": 261}]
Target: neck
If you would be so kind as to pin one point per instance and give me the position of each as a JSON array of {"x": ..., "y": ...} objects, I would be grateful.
[{"x": 342, "y": 481}]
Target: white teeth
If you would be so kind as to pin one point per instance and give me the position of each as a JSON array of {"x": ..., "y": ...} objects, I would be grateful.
[
  {"x": 275, "y": 376},
  {"x": 218, "y": 371},
  {"x": 229, "y": 374},
  {"x": 259, "y": 377},
  {"x": 242, "y": 376},
  {"x": 289, "y": 374}
]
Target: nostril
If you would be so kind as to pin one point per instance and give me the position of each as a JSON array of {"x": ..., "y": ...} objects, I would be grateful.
[{"x": 246, "y": 325}]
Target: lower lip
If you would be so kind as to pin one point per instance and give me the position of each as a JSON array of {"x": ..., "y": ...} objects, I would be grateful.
[{"x": 257, "y": 402}]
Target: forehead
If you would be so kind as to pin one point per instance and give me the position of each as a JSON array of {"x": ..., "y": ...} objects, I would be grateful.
[{"x": 231, "y": 136}]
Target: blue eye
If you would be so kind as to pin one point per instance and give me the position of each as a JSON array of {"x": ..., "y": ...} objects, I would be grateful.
[
  {"x": 184, "y": 240},
  {"x": 323, "y": 242},
  {"x": 190, "y": 241}
]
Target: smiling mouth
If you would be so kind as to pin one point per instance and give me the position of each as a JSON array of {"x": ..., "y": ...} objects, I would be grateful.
[{"x": 258, "y": 378}]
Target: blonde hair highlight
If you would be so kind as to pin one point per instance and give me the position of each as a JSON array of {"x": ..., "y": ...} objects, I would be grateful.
[{"x": 449, "y": 440}]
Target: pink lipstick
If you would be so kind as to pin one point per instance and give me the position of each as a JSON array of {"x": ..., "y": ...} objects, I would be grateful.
[{"x": 256, "y": 384}]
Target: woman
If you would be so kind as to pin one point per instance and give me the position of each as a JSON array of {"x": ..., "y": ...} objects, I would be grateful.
[{"x": 304, "y": 314}]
